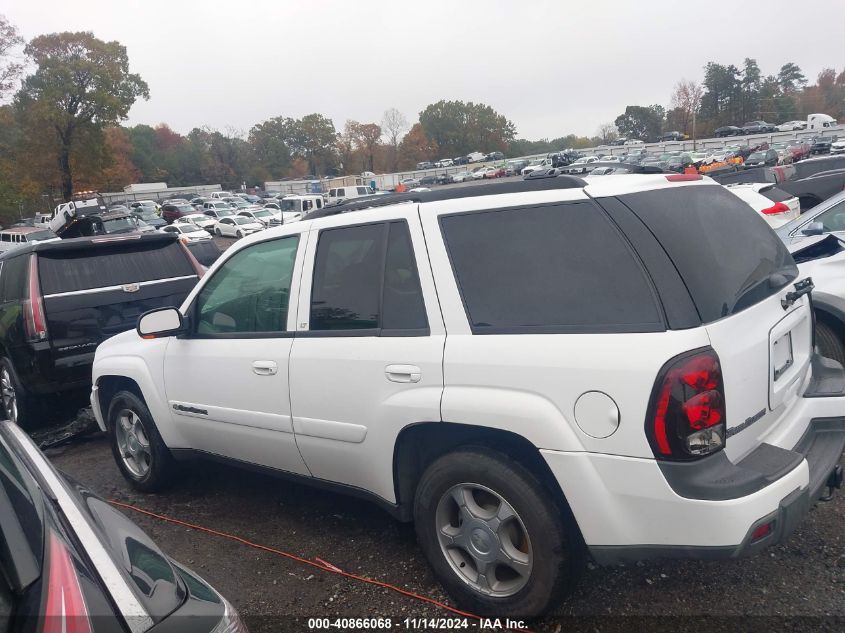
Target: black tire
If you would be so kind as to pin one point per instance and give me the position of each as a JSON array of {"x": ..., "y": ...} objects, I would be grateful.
[
  {"x": 217, "y": 232},
  {"x": 18, "y": 406},
  {"x": 829, "y": 342},
  {"x": 239, "y": 234},
  {"x": 558, "y": 552},
  {"x": 161, "y": 464}
]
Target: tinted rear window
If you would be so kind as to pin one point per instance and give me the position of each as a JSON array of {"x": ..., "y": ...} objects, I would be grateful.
[
  {"x": 776, "y": 195},
  {"x": 562, "y": 268},
  {"x": 726, "y": 254},
  {"x": 112, "y": 266}
]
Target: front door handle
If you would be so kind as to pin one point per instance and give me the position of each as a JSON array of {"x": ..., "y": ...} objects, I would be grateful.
[
  {"x": 403, "y": 373},
  {"x": 265, "y": 367}
]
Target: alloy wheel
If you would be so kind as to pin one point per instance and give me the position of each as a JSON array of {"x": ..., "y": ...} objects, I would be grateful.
[
  {"x": 484, "y": 540},
  {"x": 133, "y": 443},
  {"x": 10, "y": 398}
]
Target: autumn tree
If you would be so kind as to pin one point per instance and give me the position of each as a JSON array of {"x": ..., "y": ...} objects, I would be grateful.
[
  {"x": 80, "y": 84},
  {"x": 394, "y": 124},
  {"x": 607, "y": 132},
  {"x": 416, "y": 147},
  {"x": 10, "y": 62},
  {"x": 686, "y": 99}
]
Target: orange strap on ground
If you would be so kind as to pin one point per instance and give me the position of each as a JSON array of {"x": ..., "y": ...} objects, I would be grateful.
[{"x": 319, "y": 564}]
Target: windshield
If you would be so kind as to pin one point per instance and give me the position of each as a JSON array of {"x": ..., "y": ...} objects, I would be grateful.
[
  {"x": 36, "y": 236},
  {"x": 185, "y": 207},
  {"x": 146, "y": 214},
  {"x": 263, "y": 214},
  {"x": 118, "y": 224},
  {"x": 222, "y": 213},
  {"x": 757, "y": 156},
  {"x": 242, "y": 220}
]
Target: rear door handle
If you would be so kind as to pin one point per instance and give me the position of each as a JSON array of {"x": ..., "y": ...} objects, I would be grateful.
[
  {"x": 265, "y": 367},
  {"x": 403, "y": 373}
]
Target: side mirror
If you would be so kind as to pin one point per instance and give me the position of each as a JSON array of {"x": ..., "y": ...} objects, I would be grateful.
[
  {"x": 814, "y": 228},
  {"x": 160, "y": 323}
]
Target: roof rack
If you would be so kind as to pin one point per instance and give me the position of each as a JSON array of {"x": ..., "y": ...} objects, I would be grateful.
[{"x": 369, "y": 202}]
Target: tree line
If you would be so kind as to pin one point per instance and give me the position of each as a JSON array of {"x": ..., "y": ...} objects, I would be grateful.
[
  {"x": 732, "y": 95},
  {"x": 64, "y": 98}
]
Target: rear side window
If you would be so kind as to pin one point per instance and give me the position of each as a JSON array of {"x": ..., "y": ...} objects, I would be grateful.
[
  {"x": 728, "y": 256},
  {"x": 69, "y": 271},
  {"x": 365, "y": 278},
  {"x": 561, "y": 268},
  {"x": 13, "y": 278}
]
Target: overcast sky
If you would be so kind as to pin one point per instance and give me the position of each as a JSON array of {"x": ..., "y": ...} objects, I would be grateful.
[{"x": 551, "y": 67}]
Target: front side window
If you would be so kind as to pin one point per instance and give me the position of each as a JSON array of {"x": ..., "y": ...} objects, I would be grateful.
[
  {"x": 249, "y": 293},
  {"x": 365, "y": 278}
]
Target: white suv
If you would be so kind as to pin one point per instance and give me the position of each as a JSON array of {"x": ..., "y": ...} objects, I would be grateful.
[{"x": 536, "y": 371}]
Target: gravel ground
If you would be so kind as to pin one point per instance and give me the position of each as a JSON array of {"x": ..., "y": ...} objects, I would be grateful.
[{"x": 800, "y": 583}]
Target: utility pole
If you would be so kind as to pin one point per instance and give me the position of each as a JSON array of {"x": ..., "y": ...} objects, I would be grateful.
[{"x": 693, "y": 129}]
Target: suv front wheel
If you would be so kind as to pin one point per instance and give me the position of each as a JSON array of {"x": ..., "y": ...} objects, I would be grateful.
[
  {"x": 140, "y": 453},
  {"x": 494, "y": 537}
]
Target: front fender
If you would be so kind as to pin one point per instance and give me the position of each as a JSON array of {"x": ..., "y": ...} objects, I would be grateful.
[{"x": 142, "y": 362}]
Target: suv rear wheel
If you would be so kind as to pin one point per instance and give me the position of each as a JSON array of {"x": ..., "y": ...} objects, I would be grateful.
[
  {"x": 830, "y": 345},
  {"x": 494, "y": 538},
  {"x": 140, "y": 453}
]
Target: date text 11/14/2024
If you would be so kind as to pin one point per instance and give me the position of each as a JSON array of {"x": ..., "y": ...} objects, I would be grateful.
[{"x": 444, "y": 624}]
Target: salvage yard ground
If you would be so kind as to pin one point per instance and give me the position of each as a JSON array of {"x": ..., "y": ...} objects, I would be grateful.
[{"x": 805, "y": 577}]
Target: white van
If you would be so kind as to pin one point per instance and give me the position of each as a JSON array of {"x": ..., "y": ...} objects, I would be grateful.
[
  {"x": 219, "y": 195},
  {"x": 339, "y": 194},
  {"x": 476, "y": 157},
  {"x": 820, "y": 121},
  {"x": 20, "y": 235}
]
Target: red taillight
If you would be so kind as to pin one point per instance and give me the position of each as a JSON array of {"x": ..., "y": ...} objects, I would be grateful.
[
  {"x": 687, "y": 412},
  {"x": 34, "y": 320},
  {"x": 761, "y": 531},
  {"x": 777, "y": 207},
  {"x": 64, "y": 610},
  {"x": 683, "y": 177}
]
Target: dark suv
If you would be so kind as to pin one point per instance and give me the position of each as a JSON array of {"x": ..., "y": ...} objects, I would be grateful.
[
  {"x": 172, "y": 212},
  {"x": 59, "y": 300}
]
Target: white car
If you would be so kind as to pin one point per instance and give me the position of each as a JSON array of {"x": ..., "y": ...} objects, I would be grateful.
[
  {"x": 187, "y": 231},
  {"x": 580, "y": 166},
  {"x": 237, "y": 226},
  {"x": 546, "y": 163},
  {"x": 773, "y": 204},
  {"x": 612, "y": 159},
  {"x": 482, "y": 172},
  {"x": 460, "y": 176},
  {"x": 791, "y": 126},
  {"x": 643, "y": 386},
  {"x": 444, "y": 162},
  {"x": 838, "y": 146},
  {"x": 201, "y": 220},
  {"x": 633, "y": 141},
  {"x": 267, "y": 217}
]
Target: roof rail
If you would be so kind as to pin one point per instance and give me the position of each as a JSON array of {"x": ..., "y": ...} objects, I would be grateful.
[{"x": 519, "y": 186}]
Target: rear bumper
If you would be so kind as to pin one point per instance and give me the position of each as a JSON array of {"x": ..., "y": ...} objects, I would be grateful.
[{"x": 632, "y": 508}]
